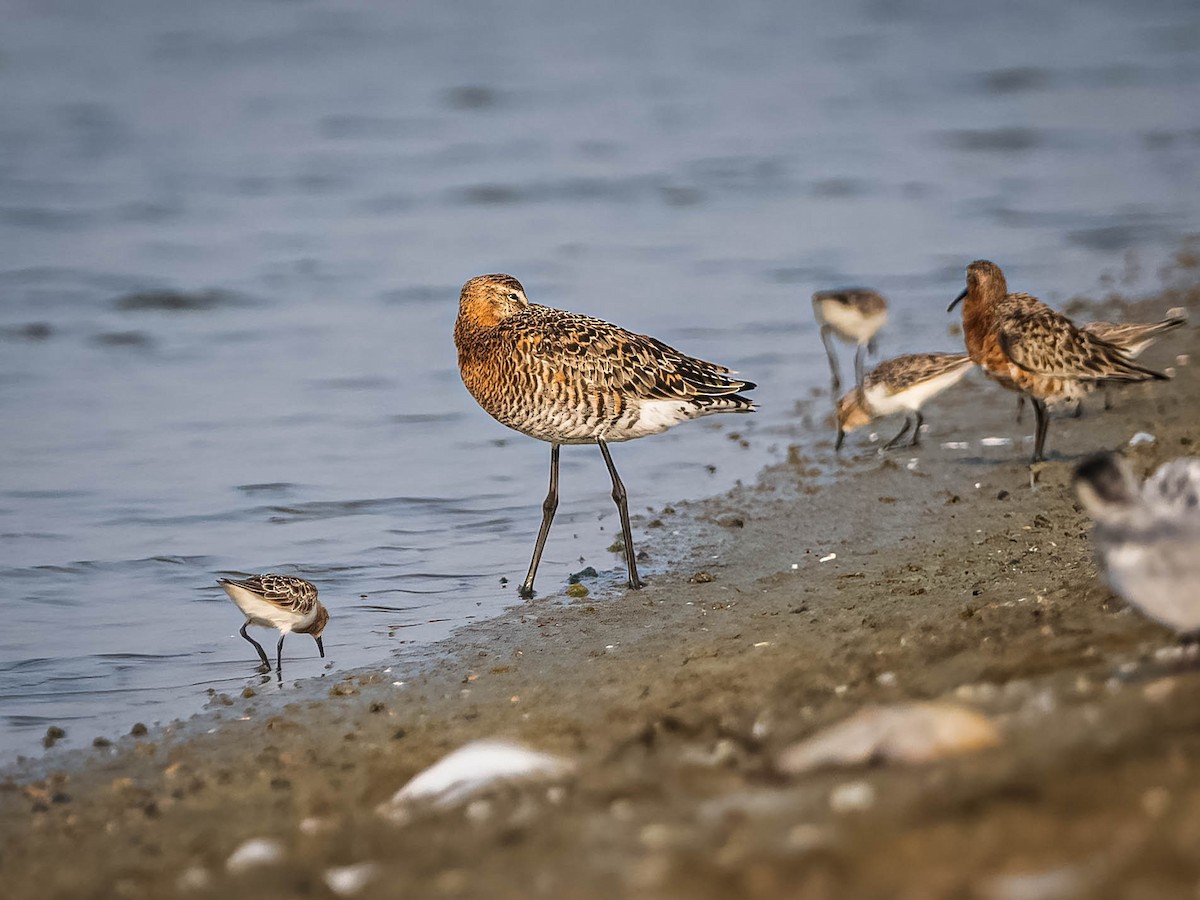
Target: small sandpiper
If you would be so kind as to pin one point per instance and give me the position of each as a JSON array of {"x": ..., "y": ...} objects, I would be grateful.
[
  {"x": 1148, "y": 538},
  {"x": 283, "y": 602},
  {"x": 1026, "y": 346},
  {"x": 900, "y": 385},
  {"x": 855, "y": 315},
  {"x": 565, "y": 378}
]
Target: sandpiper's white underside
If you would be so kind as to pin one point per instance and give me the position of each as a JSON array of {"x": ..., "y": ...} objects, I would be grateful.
[
  {"x": 262, "y": 612},
  {"x": 911, "y": 399},
  {"x": 848, "y": 322}
]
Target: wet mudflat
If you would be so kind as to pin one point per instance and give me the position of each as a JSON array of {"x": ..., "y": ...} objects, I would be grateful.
[{"x": 822, "y": 589}]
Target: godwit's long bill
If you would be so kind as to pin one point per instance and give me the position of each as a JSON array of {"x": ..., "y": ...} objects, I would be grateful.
[
  {"x": 566, "y": 378},
  {"x": 1026, "y": 346},
  {"x": 278, "y": 601}
]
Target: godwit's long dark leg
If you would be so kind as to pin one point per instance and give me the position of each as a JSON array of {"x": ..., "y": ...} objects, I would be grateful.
[
  {"x": 1020, "y": 408},
  {"x": 1107, "y": 398},
  {"x": 549, "y": 505},
  {"x": 257, "y": 646},
  {"x": 827, "y": 340},
  {"x": 903, "y": 431},
  {"x": 1043, "y": 423},
  {"x": 916, "y": 438},
  {"x": 619, "y": 497}
]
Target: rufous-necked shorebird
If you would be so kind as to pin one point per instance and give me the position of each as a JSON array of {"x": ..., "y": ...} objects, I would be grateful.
[{"x": 566, "y": 378}]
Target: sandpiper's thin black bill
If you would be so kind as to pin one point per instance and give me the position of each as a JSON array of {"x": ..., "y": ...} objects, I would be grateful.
[{"x": 957, "y": 300}]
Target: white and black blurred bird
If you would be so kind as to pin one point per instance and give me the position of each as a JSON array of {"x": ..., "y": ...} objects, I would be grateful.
[{"x": 1147, "y": 536}]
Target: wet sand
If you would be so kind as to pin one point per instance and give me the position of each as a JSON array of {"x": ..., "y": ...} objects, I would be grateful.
[{"x": 953, "y": 578}]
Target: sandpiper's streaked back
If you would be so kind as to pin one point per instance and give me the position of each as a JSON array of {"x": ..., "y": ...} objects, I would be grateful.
[
  {"x": 900, "y": 385},
  {"x": 1028, "y": 347},
  {"x": 855, "y": 315},
  {"x": 283, "y": 602},
  {"x": 565, "y": 378},
  {"x": 1132, "y": 337},
  {"x": 1148, "y": 538}
]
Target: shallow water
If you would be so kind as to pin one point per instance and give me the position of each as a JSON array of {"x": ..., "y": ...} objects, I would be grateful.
[{"x": 232, "y": 237}]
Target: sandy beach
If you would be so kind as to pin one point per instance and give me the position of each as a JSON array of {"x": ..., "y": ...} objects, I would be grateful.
[{"x": 789, "y": 604}]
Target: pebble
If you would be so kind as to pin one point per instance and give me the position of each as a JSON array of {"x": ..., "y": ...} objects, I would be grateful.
[
  {"x": 253, "y": 853},
  {"x": 906, "y": 733},
  {"x": 346, "y": 881},
  {"x": 854, "y": 796},
  {"x": 1142, "y": 437}
]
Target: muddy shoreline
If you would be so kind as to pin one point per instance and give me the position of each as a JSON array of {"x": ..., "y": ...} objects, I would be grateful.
[{"x": 953, "y": 578}]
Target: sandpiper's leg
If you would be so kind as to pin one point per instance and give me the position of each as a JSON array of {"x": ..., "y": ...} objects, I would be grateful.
[
  {"x": 549, "y": 505},
  {"x": 860, "y": 356},
  {"x": 1078, "y": 414},
  {"x": 279, "y": 653},
  {"x": 903, "y": 431},
  {"x": 916, "y": 438},
  {"x": 1107, "y": 398},
  {"x": 1043, "y": 423},
  {"x": 619, "y": 497},
  {"x": 1020, "y": 408},
  {"x": 257, "y": 646},
  {"x": 827, "y": 340},
  {"x": 872, "y": 347}
]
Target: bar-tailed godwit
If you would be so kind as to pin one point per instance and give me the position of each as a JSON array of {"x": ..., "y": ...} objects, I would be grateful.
[
  {"x": 1147, "y": 537},
  {"x": 566, "y": 378},
  {"x": 855, "y": 315},
  {"x": 1026, "y": 346},
  {"x": 900, "y": 385},
  {"x": 278, "y": 601}
]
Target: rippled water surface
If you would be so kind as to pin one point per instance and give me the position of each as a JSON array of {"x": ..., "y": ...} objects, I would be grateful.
[{"x": 232, "y": 236}]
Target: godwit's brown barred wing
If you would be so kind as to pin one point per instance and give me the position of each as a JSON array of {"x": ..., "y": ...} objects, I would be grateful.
[
  {"x": 566, "y": 378},
  {"x": 285, "y": 591},
  {"x": 571, "y": 379}
]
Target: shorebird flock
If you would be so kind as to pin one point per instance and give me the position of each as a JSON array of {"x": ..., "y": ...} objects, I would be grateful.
[{"x": 566, "y": 378}]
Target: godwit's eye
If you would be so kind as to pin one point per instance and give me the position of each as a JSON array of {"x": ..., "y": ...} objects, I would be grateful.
[{"x": 513, "y": 296}]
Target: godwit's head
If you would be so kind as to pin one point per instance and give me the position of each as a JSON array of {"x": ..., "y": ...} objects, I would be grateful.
[
  {"x": 1106, "y": 486},
  {"x": 489, "y": 299},
  {"x": 985, "y": 281},
  {"x": 852, "y": 414}
]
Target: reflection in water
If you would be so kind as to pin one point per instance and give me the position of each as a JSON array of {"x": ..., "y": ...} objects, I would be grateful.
[{"x": 232, "y": 237}]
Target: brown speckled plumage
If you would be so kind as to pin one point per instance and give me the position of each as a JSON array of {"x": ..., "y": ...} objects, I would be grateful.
[
  {"x": 570, "y": 379},
  {"x": 900, "y": 385},
  {"x": 284, "y": 602},
  {"x": 1028, "y": 347},
  {"x": 565, "y": 378}
]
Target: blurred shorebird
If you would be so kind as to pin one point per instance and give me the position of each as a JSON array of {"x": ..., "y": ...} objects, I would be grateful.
[
  {"x": 278, "y": 601},
  {"x": 1132, "y": 337},
  {"x": 1025, "y": 346},
  {"x": 1148, "y": 538},
  {"x": 855, "y": 315},
  {"x": 566, "y": 378},
  {"x": 902, "y": 384}
]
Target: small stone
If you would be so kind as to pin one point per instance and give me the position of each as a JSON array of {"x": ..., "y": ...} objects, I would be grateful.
[
  {"x": 702, "y": 578},
  {"x": 253, "y": 853},
  {"x": 53, "y": 735},
  {"x": 854, "y": 796},
  {"x": 139, "y": 729},
  {"x": 101, "y": 742},
  {"x": 248, "y": 692},
  {"x": 577, "y": 590}
]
